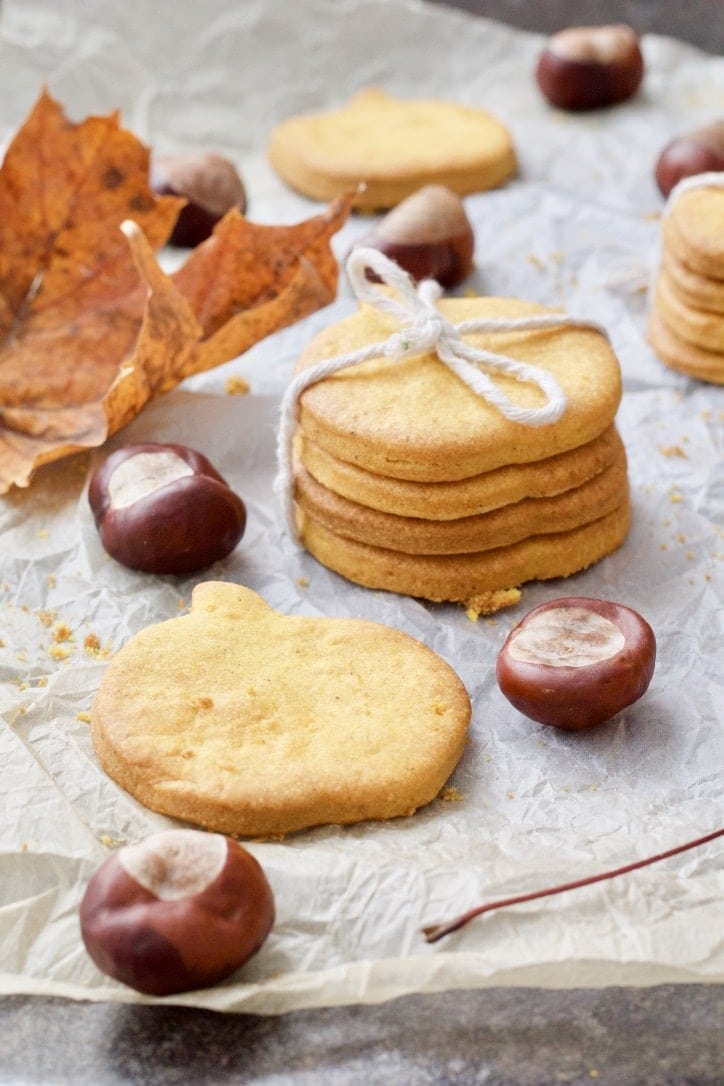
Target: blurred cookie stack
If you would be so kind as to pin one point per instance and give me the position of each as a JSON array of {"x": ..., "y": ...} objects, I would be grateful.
[{"x": 686, "y": 326}]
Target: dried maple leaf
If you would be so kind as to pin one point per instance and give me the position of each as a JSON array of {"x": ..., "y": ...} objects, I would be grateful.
[{"x": 91, "y": 327}]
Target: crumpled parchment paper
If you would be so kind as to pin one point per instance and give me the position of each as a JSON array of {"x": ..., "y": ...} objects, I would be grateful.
[{"x": 578, "y": 228}]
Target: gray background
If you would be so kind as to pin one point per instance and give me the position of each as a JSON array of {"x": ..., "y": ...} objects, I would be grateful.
[{"x": 700, "y": 22}]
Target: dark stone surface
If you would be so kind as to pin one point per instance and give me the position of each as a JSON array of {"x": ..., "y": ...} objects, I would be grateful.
[
  {"x": 700, "y": 22},
  {"x": 665, "y": 1036}
]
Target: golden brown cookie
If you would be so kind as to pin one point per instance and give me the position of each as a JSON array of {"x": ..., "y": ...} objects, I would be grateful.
[
  {"x": 485, "y": 581},
  {"x": 698, "y": 291},
  {"x": 245, "y": 721},
  {"x": 681, "y": 355},
  {"x": 416, "y": 420},
  {"x": 392, "y": 146},
  {"x": 463, "y": 497},
  {"x": 701, "y": 327},
  {"x": 484, "y": 531},
  {"x": 694, "y": 227}
]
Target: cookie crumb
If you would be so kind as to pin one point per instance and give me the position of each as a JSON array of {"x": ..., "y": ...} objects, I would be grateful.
[
  {"x": 58, "y": 652},
  {"x": 237, "y": 386},
  {"x": 451, "y": 795},
  {"x": 489, "y": 602},
  {"x": 673, "y": 450},
  {"x": 83, "y": 717},
  {"x": 111, "y": 842}
]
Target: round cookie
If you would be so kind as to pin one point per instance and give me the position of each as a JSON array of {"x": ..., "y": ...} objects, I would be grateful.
[
  {"x": 698, "y": 291},
  {"x": 698, "y": 326},
  {"x": 393, "y": 147},
  {"x": 485, "y": 531},
  {"x": 245, "y": 721},
  {"x": 681, "y": 355},
  {"x": 694, "y": 227},
  {"x": 486, "y": 581},
  {"x": 415, "y": 420},
  {"x": 463, "y": 497}
]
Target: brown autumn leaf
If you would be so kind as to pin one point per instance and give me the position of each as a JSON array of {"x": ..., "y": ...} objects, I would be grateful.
[{"x": 91, "y": 327}]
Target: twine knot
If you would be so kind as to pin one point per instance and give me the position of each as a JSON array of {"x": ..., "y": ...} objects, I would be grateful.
[{"x": 423, "y": 329}]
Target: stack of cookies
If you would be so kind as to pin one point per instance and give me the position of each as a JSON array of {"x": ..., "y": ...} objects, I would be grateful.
[
  {"x": 686, "y": 327},
  {"x": 407, "y": 480}
]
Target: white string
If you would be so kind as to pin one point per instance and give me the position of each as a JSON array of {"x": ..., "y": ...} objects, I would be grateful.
[{"x": 423, "y": 329}]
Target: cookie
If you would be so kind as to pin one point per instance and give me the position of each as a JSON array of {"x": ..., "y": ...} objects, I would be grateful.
[
  {"x": 485, "y": 581},
  {"x": 485, "y": 531},
  {"x": 694, "y": 227},
  {"x": 391, "y": 146},
  {"x": 416, "y": 420},
  {"x": 429, "y": 396},
  {"x": 701, "y": 327},
  {"x": 699, "y": 291},
  {"x": 687, "y": 300},
  {"x": 463, "y": 497},
  {"x": 681, "y": 355},
  {"x": 245, "y": 721}
]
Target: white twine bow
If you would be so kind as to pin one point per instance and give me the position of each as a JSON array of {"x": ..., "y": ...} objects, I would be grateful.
[{"x": 423, "y": 329}]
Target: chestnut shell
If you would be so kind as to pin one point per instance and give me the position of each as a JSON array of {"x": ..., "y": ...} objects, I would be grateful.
[
  {"x": 579, "y": 85},
  {"x": 180, "y": 528},
  {"x": 580, "y": 697},
  {"x": 691, "y": 153},
  {"x": 178, "y": 175},
  {"x": 164, "y": 947},
  {"x": 428, "y": 234},
  {"x": 449, "y": 262}
]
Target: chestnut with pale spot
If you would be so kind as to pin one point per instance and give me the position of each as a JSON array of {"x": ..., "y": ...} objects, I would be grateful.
[
  {"x": 590, "y": 67},
  {"x": 429, "y": 235},
  {"x": 163, "y": 508},
  {"x": 689, "y": 154},
  {"x": 575, "y": 662},
  {"x": 180, "y": 910},
  {"x": 209, "y": 182}
]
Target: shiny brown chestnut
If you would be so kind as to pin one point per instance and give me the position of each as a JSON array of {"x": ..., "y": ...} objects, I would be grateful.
[
  {"x": 699, "y": 151},
  {"x": 429, "y": 235},
  {"x": 575, "y": 661},
  {"x": 590, "y": 67},
  {"x": 163, "y": 508},
  {"x": 211, "y": 186},
  {"x": 180, "y": 910}
]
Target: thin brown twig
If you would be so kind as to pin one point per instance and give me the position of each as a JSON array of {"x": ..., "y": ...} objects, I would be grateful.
[{"x": 436, "y": 931}]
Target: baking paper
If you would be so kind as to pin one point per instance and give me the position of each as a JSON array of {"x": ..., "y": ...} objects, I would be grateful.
[{"x": 528, "y": 807}]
